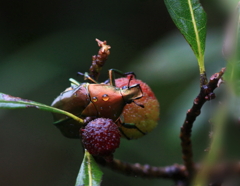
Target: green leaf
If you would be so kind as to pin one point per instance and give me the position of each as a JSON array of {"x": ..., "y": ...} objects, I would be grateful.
[
  {"x": 11, "y": 102},
  {"x": 89, "y": 173},
  {"x": 231, "y": 48},
  {"x": 190, "y": 18}
]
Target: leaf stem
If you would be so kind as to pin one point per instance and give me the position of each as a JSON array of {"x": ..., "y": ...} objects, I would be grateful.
[
  {"x": 44, "y": 107},
  {"x": 89, "y": 168}
]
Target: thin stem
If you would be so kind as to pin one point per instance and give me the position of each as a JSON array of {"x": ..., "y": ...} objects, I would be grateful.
[
  {"x": 203, "y": 79},
  {"x": 174, "y": 172},
  {"x": 30, "y": 104},
  {"x": 99, "y": 60},
  {"x": 206, "y": 93}
]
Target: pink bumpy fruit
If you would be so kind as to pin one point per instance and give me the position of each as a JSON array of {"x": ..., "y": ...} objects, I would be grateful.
[{"x": 101, "y": 137}]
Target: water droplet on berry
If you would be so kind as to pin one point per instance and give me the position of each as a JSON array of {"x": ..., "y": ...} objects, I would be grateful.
[
  {"x": 94, "y": 99},
  {"x": 105, "y": 97}
]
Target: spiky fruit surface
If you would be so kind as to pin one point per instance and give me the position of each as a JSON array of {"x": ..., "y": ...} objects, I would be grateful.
[
  {"x": 101, "y": 137},
  {"x": 146, "y": 118}
]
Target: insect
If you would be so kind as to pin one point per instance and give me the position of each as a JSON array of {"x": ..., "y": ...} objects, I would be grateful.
[{"x": 94, "y": 100}]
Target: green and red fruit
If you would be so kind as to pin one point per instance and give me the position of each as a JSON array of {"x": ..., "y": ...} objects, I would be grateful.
[{"x": 146, "y": 118}]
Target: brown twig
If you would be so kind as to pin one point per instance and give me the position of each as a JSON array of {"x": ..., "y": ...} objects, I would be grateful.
[
  {"x": 99, "y": 60},
  {"x": 206, "y": 93},
  {"x": 175, "y": 172},
  {"x": 178, "y": 173},
  {"x": 203, "y": 79}
]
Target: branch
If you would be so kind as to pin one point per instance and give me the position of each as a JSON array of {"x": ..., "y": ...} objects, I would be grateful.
[
  {"x": 99, "y": 60},
  {"x": 175, "y": 172},
  {"x": 206, "y": 94}
]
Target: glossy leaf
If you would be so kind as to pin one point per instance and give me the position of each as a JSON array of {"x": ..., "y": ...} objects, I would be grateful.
[
  {"x": 231, "y": 49},
  {"x": 11, "y": 102},
  {"x": 190, "y": 18},
  {"x": 89, "y": 173}
]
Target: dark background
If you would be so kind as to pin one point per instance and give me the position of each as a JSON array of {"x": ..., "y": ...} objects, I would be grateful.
[{"x": 44, "y": 43}]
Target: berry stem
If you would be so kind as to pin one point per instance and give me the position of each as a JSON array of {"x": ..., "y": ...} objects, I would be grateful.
[{"x": 206, "y": 94}]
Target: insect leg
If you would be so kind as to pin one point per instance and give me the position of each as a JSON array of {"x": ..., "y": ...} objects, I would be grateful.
[
  {"x": 130, "y": 126},
  {"x": 86, "y": 76},
  {"x": 112, "y": 73}
]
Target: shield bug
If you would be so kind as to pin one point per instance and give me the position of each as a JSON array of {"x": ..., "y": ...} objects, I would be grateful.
[{"x": 94, "y": 100}]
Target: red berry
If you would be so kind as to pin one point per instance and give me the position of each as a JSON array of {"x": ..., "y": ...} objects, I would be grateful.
[
  {"x": 146, "y": 118},
  {"x": 101, "y": 137}
]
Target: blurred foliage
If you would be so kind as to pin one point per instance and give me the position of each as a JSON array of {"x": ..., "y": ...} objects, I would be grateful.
[{"x": 44, "y": 43}]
